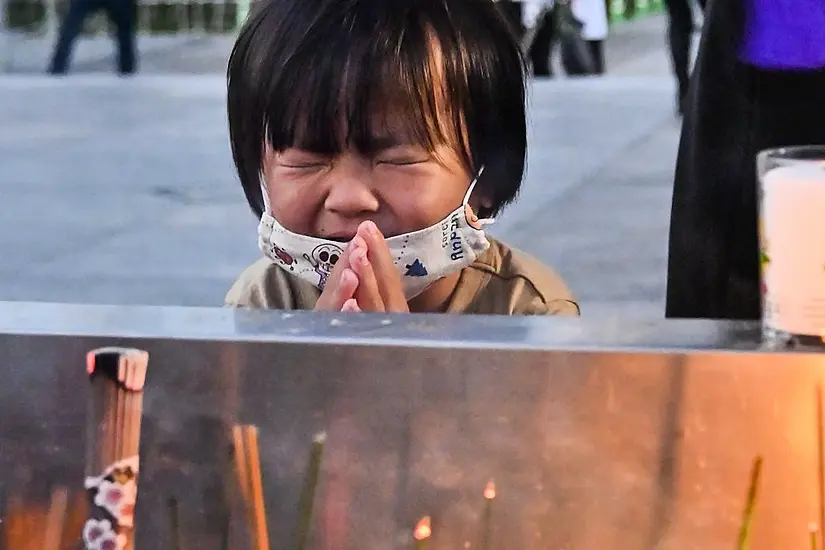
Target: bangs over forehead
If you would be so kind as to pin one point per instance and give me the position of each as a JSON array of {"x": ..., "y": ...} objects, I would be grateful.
[
  {"x": 329, "y": 74},
  {"x": 377, "y": 73}
]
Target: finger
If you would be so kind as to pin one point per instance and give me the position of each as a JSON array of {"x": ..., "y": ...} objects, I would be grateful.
[
  {"x": 351, "y": 306},
  {"x": 368, "y": 294},
  {"x": 389, "y": 281},
  {"x": 335, "y": 296},
  {"x": 340, "y": 265}
]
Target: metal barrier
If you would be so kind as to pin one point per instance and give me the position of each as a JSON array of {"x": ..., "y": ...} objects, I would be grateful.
[{"x": 597, "y": 434}]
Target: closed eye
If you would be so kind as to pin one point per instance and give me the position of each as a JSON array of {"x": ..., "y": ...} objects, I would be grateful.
[
  {"x": 401, "y": 155},
  {"x": 404, "y": 161},
  {"x": 305, "y": 166},
  {"x": 298, "y": 159}
]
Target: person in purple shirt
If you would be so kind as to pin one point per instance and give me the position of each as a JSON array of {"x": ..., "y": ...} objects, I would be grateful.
[
  {"x": 759, "y": 82},
  {"x": 784, "y": 34}
]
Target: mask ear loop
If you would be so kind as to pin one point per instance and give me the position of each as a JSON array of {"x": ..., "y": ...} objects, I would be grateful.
[
  {"x": 485, "y": 221},
  {"x": 264, "y": 194}
]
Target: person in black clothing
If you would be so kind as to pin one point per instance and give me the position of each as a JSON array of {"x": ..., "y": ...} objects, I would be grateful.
[
  {"x": 121, "y": 13},
  {"x": 680, "y": 27},
  {"x": 733, "y": 110},
  {"x": 541, "y": 49}
]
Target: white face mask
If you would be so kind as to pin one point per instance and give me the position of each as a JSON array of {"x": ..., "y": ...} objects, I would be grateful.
[{"x": 421, "y": 257}]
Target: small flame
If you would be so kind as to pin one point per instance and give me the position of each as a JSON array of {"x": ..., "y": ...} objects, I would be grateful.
[
  {"x": 423, "y": 529},
  {"x": 813, "y": 527},
  {"x": 490, "y": 490},
  {"x": 90, "y": 362}
]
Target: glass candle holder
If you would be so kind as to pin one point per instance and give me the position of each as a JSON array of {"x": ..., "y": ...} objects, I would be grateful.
[{"x": 792, "y": 244}]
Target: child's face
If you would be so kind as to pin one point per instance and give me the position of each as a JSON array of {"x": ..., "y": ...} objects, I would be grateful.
[{"x": 400, "y": 186}]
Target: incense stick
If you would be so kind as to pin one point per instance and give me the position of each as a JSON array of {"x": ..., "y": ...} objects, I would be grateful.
[
  {"x": 812, "y": 536},
  {"x": 256, "y": 489},
  {"x": 248, "y": 471},
  {"x": 240, "y": 461},
  {"x": 487, "y": 526},
  {"x": 820, "y": 456},
  {"x": 750, "y": 504},
  {"x": 75, "y": 518},
  {"x": 55, "y": 519},
  {"x": 31, "y": 526},
  {"x": 174, "y": 523},
  {"x": 117, "y": 377},
  {"x": 307, "y": 501},
  {"x": 422, "y": 533},
  {"x": 231, "y": 484}
]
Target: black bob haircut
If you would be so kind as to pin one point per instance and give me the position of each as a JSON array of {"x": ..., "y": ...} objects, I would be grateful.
[{"x": 315, "y": 74}]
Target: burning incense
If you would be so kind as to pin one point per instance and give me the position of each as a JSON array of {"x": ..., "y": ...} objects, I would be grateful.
[
  {"x": 117, "y": 377},
  {"x": 421, "y": 534},
  {"x": 750, "y": 504},
  {"x": 489, "y": 495},
  {"x": 812, "y": 536},
  {"x": 316, "y": 454},
  {"x": 248, "y": 471}
]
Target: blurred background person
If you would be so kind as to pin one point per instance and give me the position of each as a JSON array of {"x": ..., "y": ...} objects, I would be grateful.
[
  {"x": 680, "y": 27},
  {"x": 594, "y": 15},
  {"x": 759, "y": 83},
  {"x": 579, "y": 26},
  {"x": 121, "y": 13}
]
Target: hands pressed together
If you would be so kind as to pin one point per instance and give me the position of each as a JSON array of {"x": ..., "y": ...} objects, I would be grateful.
[{"x": 364, "y": 278}]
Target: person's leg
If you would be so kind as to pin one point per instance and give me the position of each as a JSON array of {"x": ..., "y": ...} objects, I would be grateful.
[
  {"x": 122, "y": 15},
  {"x": 597, "y": 53},
  {"x": 680, "y": 36},
  {"x": 543, "y": 46},
  {"x": 69, "y": 30}
]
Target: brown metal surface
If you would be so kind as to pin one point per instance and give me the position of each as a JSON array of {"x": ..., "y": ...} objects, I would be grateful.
[{"x": 625, "y": 448}]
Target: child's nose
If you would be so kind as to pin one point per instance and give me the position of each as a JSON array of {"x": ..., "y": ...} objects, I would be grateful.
[{"x": 350, "y": 193}]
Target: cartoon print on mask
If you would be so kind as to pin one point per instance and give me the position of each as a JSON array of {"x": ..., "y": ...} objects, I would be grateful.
[
  {"x": 287, "y": 260},
  {"x": 416, "y": 269},
  {"x": 323, "y": 259},
  {"x": 399, "y": 258}
]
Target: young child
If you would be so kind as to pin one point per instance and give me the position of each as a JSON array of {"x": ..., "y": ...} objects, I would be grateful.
[{"x": 367, "y": 134}]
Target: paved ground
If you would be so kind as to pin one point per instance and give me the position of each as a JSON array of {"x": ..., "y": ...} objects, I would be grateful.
[{"x": 122, "y": 190}]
